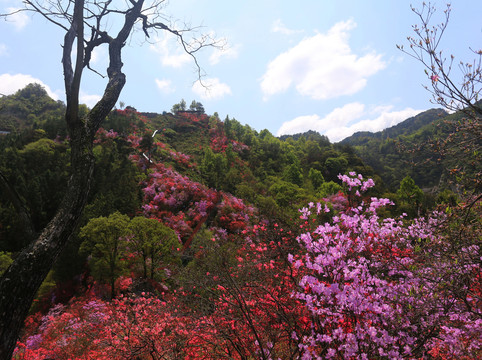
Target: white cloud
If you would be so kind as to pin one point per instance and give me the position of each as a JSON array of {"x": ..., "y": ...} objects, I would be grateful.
[
  {"x": 165, "y": 86},
  {"x": 322, "y": 66},
  {"x": 300, "y": 124},
  {"x": 279, "y": 27},
  {"x": 89, "y": 100},
  {"x": 19, "y": 19},
  {"x": 98, "y": 55},
  {"x": 10, "y": 84},
  {"x": 345, "y": 121},
  {"x": 230, "y": 52},
  {"x": 172, "y": 54},
  {"x": 339, "y": 117},
  {"x": 211, "y": 89},
  {"x": 3, "y": 49}
]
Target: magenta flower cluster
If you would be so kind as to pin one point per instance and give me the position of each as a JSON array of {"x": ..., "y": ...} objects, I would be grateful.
[{"x": 380, "y": 288}]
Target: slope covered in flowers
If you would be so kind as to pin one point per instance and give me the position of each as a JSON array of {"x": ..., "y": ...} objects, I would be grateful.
[{"x": 341, "y": 281}]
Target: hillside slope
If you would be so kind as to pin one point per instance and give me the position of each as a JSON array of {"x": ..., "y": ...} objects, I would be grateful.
[
  {"x": 404, "y": 128},
  {"x": 402, "y": 150}
]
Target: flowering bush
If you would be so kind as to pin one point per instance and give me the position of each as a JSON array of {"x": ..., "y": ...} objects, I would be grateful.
[
  {"x": 383, "y": 288},
  {"x": 362, "y": 288},
  {"x": 182, "y": 203},
  {"x": 139, "y": 327},
  {"x": 102, "y": 135},
  {"x": 194, "y": 117},
  {"x": 251, "y": 315}
]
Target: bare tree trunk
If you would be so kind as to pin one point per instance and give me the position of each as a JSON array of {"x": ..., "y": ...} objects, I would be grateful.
[
  {"x": 144, "y": 263},
  {"x": 21, "y": 281}
]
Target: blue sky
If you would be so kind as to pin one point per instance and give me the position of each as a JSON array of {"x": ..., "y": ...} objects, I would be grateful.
[{"x": 330, "y": 66}]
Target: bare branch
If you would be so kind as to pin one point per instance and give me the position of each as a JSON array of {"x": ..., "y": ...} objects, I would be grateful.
[
  {"x": 424, "y": 47},
  {"x": 45, "y": 12},
  {"x": 192, "y": 46}
]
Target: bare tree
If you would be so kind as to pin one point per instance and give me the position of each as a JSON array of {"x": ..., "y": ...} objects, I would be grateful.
[
  {"x": 85, "y": 25},
  {"x": 425, "y": 45},
  {"x": 455, "y": 91}
]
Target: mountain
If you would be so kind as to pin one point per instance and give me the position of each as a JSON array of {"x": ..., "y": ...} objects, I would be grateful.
[
  {"x": 403, "y": 150},
  {"x": 277, "y": 176},
  {"x": 404, "y": 128},
  {"x": 310, "y": 134},
  {"x": 30, "y": 107}
]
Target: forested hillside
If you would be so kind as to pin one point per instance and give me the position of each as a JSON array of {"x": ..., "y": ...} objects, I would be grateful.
[
  {"x": 411, "y": 148},
  {"x": 31, "y": 108},
  {"x": 277, "y": 176},
  {"x": 205, "y": 239}
]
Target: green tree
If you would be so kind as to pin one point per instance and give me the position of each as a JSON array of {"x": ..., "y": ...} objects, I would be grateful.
[
  {"x": 105, "y": 241},
  {"x": 181, "y": 106},
  {"x": 154, "y": 242},
  {"x": 313, "y": 152},
  {"x": 37, "y": 170},
  {"x": 286, "y": 194},
  {"x": 213, "y": 168},
  {"x": 196, "y": 106},
  {"x": 316, "y": 178},
  {"x": 410, "y": 194},
  {"x": 293, "y": 174},
  {"x": 335, "y": 166},
  {"x": 328, "y": 188},
  {"x": 116, "y": 181}
]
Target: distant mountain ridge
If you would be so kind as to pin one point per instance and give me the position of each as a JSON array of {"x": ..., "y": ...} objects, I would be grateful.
[
  {"x": 405, "y": 128},
  {"x": 307, "y": 134},
  {"x": 391, "y": 152}
]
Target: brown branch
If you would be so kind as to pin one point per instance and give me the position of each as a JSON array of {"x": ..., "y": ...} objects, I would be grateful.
[
  {"x": 42, "y": 11},
  {"x": 443, "y": 89}
]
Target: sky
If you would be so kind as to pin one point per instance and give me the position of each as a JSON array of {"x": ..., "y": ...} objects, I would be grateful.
[{"x": 287, "y": 66}]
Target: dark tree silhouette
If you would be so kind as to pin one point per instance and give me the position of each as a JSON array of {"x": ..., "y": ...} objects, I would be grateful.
[{"x": 84, "y": 23}]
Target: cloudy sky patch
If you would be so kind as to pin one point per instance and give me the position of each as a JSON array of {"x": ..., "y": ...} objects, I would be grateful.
[
  {"x": 279, "y": 27},
  {"x": 330, "y": 66},
  {"x": 3, "y": 49},
  {"x": 165, "y": 86},
  {"x": 169, "y": 51},
  {"x": 10, "y": 84},
  {"x": 88, "y": 99},
  {"x": 227, "y": 52},
  {"x": 18, "y": 19},
  {"x": 345, "y": 121},
  {"x": 322, "y": 66},
  {"x": 211, "y": 89}
]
